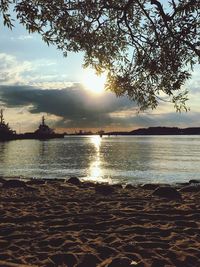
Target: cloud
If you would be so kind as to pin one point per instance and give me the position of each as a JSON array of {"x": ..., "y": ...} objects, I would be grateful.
[
  {"x": 193, "y": 84},
  {"x": 25, "y": 37},
  {"x": 74, "y": 105},
  {"x": 22, "y": 37},
  {"x": 24, "y": 85},
  {"x": 39, "y": 72},
  {"x": 11, "y": 70}
]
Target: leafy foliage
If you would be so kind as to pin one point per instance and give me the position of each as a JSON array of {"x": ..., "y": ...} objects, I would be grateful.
[{"x": 148, "y": 49}]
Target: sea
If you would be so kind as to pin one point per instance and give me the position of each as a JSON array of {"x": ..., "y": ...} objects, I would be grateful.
[{"x": 112, "y": 159}]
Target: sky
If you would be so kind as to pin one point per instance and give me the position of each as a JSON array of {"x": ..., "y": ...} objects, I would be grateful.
[{"x": 36, "y": 80}]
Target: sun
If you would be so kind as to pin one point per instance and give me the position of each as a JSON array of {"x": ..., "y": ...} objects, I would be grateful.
[{"x": 93, "y": 82}]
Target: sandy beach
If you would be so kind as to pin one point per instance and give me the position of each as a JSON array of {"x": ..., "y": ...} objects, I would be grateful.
[{"x": 81, "y": 224}]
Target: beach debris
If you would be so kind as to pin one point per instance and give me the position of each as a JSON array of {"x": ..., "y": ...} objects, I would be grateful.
[
  {"x": 74, "y": 181},
  {"x": 14, "y": 184},
  {"x": 150, "y": 186},
  {"x": 167, "y": 192},
  {"x": 104, "y": 189},
  {"x": 68, "y": 259}
]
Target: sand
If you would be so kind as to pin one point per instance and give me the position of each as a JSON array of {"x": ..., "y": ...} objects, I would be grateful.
[{"x": 84, "y": 225}]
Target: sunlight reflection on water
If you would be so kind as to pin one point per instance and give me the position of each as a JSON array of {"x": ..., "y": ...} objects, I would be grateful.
[
  {"x": 96, "y": 141},
  {"x": 114, "y": 159},
  {"x": 95, "y": 170}
]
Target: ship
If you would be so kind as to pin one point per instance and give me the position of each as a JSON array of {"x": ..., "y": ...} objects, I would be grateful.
[
  {"x": 43, "y": 132},
  {"x": 6, "y": 133}
]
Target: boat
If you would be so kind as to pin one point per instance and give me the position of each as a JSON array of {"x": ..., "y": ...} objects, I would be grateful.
[
  {"x": 6, "y": 133},
  {"x": 45, "y": 132},
  {"x": 43, "y": 129},
  {"x": 42, "y": 133}
]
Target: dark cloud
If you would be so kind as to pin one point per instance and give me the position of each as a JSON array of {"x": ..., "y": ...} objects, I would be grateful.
[{"x": 76, "y": 106}]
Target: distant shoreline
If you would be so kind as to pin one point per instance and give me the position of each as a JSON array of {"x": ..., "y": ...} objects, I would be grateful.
[
  {"x": 148, "y": 131},
  {"x": 161, "y": 131}
]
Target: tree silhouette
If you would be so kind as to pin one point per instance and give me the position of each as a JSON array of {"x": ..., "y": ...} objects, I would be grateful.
[{"x": 148, "y": 49}]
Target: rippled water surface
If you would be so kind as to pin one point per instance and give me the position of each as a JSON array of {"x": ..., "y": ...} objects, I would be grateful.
[{"x": 137, "y": 159}]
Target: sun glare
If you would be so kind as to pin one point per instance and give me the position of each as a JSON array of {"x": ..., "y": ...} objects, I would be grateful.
[{"x": 93, "y": 82}]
